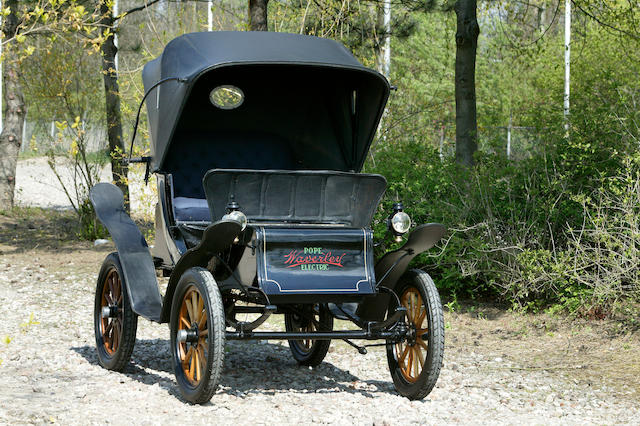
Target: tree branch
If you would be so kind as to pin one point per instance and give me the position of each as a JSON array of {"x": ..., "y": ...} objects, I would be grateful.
[
  {"x": 136, "y": 9},
  {"x": 604, "y": 24}
]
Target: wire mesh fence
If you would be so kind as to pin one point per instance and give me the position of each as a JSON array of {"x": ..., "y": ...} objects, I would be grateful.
[
  {"x": 42, "y": 136},
  {"x": 514, "y": 142}
]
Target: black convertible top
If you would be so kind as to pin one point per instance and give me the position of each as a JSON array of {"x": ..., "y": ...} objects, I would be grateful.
[{"x": 309, "y": 104}]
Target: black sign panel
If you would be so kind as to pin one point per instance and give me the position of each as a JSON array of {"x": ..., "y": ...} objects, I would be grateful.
[{"x": 315, "y": 261}]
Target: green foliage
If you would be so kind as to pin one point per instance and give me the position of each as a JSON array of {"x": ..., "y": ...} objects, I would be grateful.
[
  {"x": 90, "y": 227},
  {"x": 552, "y": 228}
]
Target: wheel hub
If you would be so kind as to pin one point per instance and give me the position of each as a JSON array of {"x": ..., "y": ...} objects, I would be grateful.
[
  {"x": 189, "y": 336},
  {"x": 110, "y": 311},
  {"x": 412, "y": 335}
]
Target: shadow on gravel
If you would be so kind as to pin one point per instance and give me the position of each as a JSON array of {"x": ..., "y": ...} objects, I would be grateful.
[{"x": 251, "y": 368}]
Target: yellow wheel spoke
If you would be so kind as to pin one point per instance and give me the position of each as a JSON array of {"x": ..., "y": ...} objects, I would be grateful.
[
  {"x": 191, "y": 368},
  {"x": 203, "y": 320},
  {"x": 404, "y": 353},
  {"x": 189, "y": 309},
  {"x": 203, "y": 358},
  {"x": 116, "y": 339},
  {"x": 410, "y": 297},
  {"x": 416, "y": 365},
  {"x": 416, "y": 307},
  {"x": 203, "y": 333},
  {"x": 185, "y": 322},
  {"x": 421, "y": 317},
  {"x": 420, "y": 357},
  {"x": 194, "y": 307},
  {"x": 197, "y": 362},
  {"x": 200, "y": 309},
  {"x": 189, "y": 355},
  {"x": 422, "y": 344},
  {"x": 410, "y": 360},
  {"x": 110, "y": 281}
]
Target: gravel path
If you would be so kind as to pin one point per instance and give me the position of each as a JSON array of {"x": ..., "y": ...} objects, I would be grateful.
[{"x": 49, "y": 371}]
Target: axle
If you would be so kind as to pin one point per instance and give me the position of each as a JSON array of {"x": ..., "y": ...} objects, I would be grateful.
[{"x": 319, "y": 335}]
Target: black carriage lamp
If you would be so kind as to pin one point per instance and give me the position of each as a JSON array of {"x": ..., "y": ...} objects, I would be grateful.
[
  {"x": 234, "y": 213},
  {"x": 398, "y": 222}
]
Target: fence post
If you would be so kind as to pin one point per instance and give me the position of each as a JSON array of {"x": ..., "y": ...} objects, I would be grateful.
[
  {"x": 509, "y": 138},
  {"x": 441, "y": 143},
  {"x": 24, "y": 131}
]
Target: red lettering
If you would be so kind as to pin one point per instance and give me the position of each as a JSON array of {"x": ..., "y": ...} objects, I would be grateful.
[{"x": 295, "y": 259}]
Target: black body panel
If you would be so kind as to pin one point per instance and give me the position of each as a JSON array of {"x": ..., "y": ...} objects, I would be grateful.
[
  {"x": 295, "y": 262},
  {"x": 349, "y": 199},
  {"x": 169, "y": 244},
  {"x": 215, "y": 239},
  {"x": 390, "y": 267},
  {"x": 137, "y": 263}
]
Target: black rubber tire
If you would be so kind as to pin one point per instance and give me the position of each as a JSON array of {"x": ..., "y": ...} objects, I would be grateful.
[
  {"x": 428, "y": 376},
  {"x": 202, "y": 280},
  {"x": 314, "y": 355},
  {"x": 127, "y": 319}
]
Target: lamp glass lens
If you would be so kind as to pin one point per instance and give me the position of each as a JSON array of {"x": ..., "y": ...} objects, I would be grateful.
[{"x": 401, "y": 222}]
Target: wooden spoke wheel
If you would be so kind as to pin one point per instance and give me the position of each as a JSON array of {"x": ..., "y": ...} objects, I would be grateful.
[
  {"x": 115, "y": 322},
  {"x": 193, "y": 352},
  {"x": 415, "y": 362},
  {"x": 309, "y": 319},
  {"x": 197, "y": 335}
]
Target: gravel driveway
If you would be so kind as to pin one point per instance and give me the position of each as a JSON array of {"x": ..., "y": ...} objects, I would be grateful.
[{"x": 49, "y": 371}]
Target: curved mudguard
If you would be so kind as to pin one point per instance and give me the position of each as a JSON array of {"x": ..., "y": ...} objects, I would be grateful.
[
  {"x": 390, "y": 267},
  {"x": 137, "y": 263},
  {"x": 216, "y": 238}
]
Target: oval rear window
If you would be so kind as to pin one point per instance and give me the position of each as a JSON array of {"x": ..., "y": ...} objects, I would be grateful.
[{"x": 226, "y": 97}]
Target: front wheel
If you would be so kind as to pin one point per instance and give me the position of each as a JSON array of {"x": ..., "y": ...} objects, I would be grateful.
[
  {"x": 197, "y": 335},
  {"x": 309, "y": 319},
  {"x": 415, "y": 363}
]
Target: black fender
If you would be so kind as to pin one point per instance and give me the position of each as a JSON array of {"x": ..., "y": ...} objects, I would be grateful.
[
  {"x": 390, "y": 267},
  {"x": 133, "y": 251},
  {"x": 216, "y": 238}
]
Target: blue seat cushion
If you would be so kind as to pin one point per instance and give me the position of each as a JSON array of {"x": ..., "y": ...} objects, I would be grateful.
[{"x": 191, "y": 209}]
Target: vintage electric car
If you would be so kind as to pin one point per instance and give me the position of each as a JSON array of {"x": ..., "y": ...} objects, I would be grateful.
[{"x": 256, "y": 143}]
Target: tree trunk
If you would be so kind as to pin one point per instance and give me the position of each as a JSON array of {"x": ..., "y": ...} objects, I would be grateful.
[
  {"x": 14, "y": 110},
  {"x": 258, "y": 15},
  {"x": 466, "y": 44},
  {"x": 112, "y": 98}
]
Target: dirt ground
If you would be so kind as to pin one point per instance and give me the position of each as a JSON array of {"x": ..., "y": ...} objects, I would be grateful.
[{"x": 488, "y": 349}]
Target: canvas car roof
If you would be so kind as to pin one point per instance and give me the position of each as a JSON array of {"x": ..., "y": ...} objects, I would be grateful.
[{"x": 327, "y": 111}]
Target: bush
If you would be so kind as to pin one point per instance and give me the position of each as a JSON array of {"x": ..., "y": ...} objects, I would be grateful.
[{"x": 534, "y": 233}]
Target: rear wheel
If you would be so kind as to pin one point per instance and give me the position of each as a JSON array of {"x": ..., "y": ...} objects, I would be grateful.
[
  {"x": 415, "y": 363},
  {"x": 197, "y": 335},
  {"x": 310, "y": 319},
  {"x": 114, "y": 322}
]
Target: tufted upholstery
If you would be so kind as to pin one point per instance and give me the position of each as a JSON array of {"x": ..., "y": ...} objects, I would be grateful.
[
  {"x": 189, "y": 159},
  {"x": 191, "y": 209}
]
